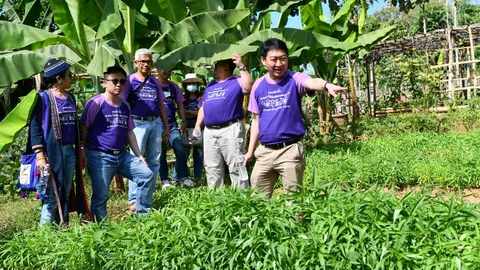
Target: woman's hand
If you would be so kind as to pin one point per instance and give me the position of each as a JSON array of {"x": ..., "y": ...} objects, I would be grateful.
[{"x": 42, "y": 163}]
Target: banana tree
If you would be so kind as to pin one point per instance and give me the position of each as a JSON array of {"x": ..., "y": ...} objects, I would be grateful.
[{"x": 324, "y": 61}]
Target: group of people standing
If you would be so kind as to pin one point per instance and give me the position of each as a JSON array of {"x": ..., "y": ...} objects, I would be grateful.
[{"x": 142, "y": 110}]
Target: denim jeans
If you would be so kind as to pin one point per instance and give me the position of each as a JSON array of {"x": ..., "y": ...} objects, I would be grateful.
[
  {"x": 197, "y": 154},
  {"x": 49, "y": 208},
  {"x": 103, "y": 166},
  {"x": 149, "y": 139},
  {"x": 180, "y": 171}
]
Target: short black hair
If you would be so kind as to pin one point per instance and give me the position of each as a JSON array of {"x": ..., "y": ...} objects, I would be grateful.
[
  {"x": 114, "y": 69},
  {"x": 226, "y": 62},
  {"x": 273, "y": 44}
]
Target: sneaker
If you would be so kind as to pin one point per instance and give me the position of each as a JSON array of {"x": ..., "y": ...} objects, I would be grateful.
[
  {"x": 166, "y": 184},
  {"x": 189, "y": 183}
]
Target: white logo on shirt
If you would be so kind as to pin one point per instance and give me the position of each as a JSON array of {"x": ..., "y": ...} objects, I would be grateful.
[{"x": 275, "y": 101}]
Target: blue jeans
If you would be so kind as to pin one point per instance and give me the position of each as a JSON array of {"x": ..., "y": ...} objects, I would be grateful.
[
  {"x": 103, "y": 166},
  {"x": 197, "y": 160},
  {"x": 149, "y": 139},
  {"x": 49, "y": 208},
  {"x": 180, "y": 171},
  {"x": 197, "y": 154}
]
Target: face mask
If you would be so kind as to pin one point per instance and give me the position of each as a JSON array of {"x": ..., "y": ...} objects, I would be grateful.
[{"x": 192, "y": 88}]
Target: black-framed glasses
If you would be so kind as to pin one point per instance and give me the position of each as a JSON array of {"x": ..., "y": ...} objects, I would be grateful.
[
  {"x": 145, "y": 62},
  {"x": 116, "y": 81}
]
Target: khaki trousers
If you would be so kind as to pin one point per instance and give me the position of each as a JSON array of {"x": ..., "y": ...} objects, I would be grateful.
[
  {"x": 288, "y": 162},
  {"x": 219, "y": 146}
]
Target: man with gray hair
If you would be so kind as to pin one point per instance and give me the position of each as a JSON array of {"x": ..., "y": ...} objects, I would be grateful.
[{"x": 145, "y": 96}]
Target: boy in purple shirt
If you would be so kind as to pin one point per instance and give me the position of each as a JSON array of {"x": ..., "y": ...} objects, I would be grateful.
[
  {"x": 222, "y": 113},
  {"x": 277, "y": 122},
  {"x": 106, "y": 125}
]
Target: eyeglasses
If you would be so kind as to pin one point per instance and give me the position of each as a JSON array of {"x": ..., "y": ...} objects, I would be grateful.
[
  {"x": 116, "y": 81},
  {"x": 145, "y": 62}
]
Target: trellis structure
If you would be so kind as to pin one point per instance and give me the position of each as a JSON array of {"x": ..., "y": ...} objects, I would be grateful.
[{"x": 460, "y": 63}]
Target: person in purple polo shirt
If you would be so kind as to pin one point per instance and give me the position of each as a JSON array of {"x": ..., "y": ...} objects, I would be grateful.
[
  {"x": 277, "y": 122},
  {"x": 148, "y": 114},
  {"x": 222, "y": 113},
  {"x": 174, "y": 103},
  {"x": 106, "y": 125}
]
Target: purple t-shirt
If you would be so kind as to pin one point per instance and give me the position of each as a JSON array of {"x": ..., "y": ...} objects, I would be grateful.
[
  {"x": 68, "y": 113},
  {"x": 278, "y": 105},
  {"x": 222, "y": 101},
  {"x": 107, "y": 124},
  {"x": 192, "y": 102},
  {"x": 173, "y": 96},
  {"x": 148, "y": 98}
]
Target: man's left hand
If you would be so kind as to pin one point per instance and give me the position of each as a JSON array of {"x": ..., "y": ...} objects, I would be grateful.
[
  {"x": 237, "y": 59},
  {"x": 183, "y": 127},
  {"x": 166, "y": 133}
]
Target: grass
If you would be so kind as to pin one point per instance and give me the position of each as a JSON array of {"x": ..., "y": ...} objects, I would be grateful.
[
  {"x": 326, "y": 227},
  {"x": 446, "y": 160}
]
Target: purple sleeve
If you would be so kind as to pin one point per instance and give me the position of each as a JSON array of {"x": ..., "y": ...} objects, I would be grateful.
[
  {"x": 127, "y": 88},
  {"x": 253, "y": 105},
  {"x": 239, "y": 80},
  {"x": 91, "y": 110},
  {"x": 300, "y": 79},
  {"x": 179, "y": 98}
]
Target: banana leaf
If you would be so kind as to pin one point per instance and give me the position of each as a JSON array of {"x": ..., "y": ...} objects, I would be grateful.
[
  {"x": 201, "y": 54},
  {"x": 198, "y": 28},
  {"x": 14, "y": 35},
  {"x": 296, "y": 37},
  {"x": 172, "y": 10},
  {"x": 16, "y": 120},
  {"x": 199, "y": 6},
  {"x": 68, "y": 16}
]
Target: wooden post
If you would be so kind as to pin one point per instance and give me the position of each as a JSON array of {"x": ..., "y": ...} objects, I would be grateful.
[
  {"x": 450, "y": 64},
  {"x": 373, "y": 86},
  {"x": 472, "y": 58},
  {"x": 369, "y": 100}
]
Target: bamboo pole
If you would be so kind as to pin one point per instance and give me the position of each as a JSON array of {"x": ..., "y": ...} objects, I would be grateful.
[
  {"x": 472, "y": 58},
  {"x": 373, "y": 86},
  {"x": 450, "y": 63},
  {"x": 369, "y": 99}
]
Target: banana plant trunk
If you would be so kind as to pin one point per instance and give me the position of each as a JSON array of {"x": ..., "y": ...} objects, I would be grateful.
[
  {"x": 324, "y": 112},
  {"x": 353, "y": 95}
]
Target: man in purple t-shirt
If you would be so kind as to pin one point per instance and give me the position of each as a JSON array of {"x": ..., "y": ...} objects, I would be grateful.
[
  {"x": 148, "y": 114},
  {"x": 173, "y": 103},
  {"x": 106, "y": 125},
  {"x": 277, "y": 122},
  {"x": 222, "y": 113}
]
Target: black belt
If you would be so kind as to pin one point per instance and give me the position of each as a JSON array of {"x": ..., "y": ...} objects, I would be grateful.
[
  {"x": 112, "y": 152},
  {"x": 225, "y": 124},
  {"x": 147, "y": 118},
  {"x": 283, "y": 144}
]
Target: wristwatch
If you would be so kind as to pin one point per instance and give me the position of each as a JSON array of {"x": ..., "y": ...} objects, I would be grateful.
[{"x": 243, "y": 68}]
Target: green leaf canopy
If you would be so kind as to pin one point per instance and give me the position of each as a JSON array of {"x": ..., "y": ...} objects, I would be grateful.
[
  {"x": 198, "y": 28},
  {"x": 201, "y": 54},
  {"x": 296, "y": 37}
]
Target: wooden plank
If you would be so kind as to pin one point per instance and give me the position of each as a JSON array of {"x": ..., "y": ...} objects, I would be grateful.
[{"x": 459, "y": 63}]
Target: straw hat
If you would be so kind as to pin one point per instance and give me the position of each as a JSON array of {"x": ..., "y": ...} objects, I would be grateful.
[{"x": 192, "y": 78}]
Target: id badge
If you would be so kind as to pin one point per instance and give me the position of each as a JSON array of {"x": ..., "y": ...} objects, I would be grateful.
[{"x": 167, "y": 94}]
